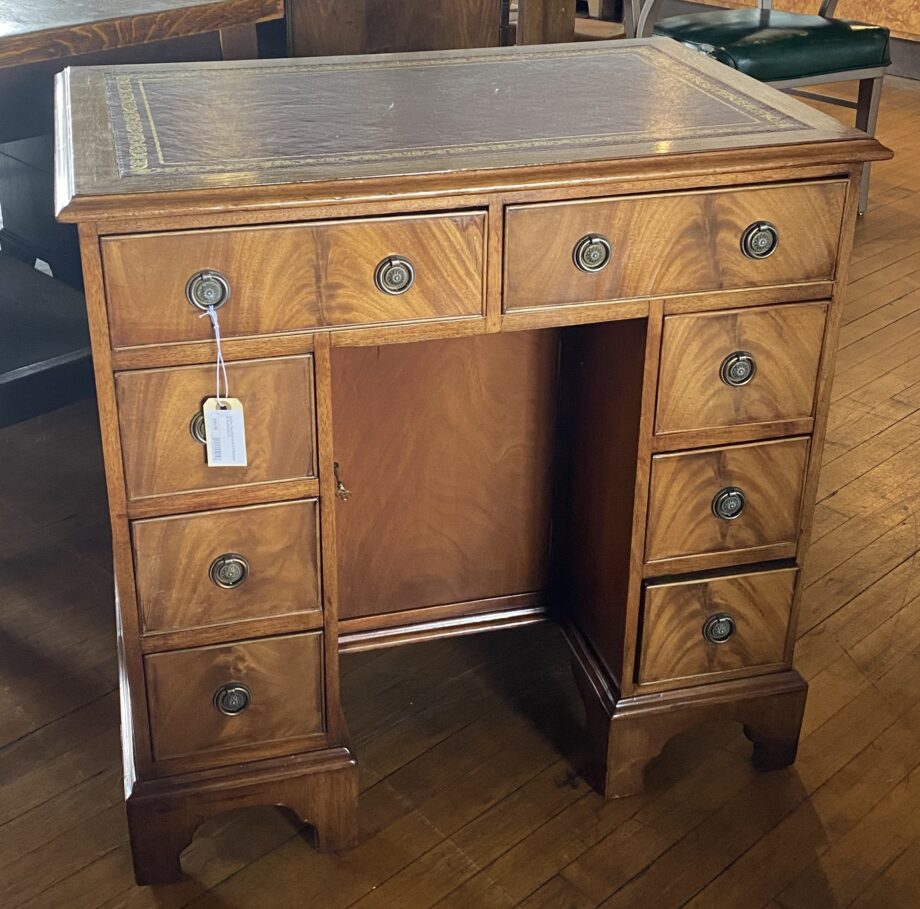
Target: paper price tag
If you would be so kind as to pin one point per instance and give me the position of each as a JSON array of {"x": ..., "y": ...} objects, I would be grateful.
[{"x": 225, "y": 432}]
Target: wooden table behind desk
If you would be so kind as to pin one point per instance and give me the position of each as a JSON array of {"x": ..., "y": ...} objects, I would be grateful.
[
  {"x": 332, "y": 27},
  {"x": 50, "y": 30},
  {"x": 38, "y": 38},
  {"x": 41, "y": 37}
]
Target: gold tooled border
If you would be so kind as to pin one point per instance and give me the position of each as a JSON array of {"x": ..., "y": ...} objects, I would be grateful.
[
  {"x": 759, "y": 117},
  {"x": 134, "y": 129}
]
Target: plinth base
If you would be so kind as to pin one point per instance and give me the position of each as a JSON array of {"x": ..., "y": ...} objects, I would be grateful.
[
  {"x": 626, "y": 733},
  {"x": 321, "y": 789}
]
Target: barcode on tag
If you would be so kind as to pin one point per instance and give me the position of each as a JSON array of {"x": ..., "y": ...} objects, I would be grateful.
[{"x": 225, "y": 432}]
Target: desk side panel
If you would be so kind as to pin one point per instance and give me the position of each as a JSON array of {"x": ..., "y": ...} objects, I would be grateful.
[{"x": 603, "y": 366}]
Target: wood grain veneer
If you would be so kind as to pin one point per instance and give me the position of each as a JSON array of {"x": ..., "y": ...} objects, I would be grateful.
[
  {"x": 173, "y": 556},
  {"x": 545, "y": 21},
  {"x": 680, "y": 243},
  {"x": 785, "y": 342},
  {"x": 49, "y": 30},
  {"x": 335, "y": 717},
  {"x": 290, "y": 278},
  {"x": 674, "y": 651},
  {"x": 447, "y": 448},
  {"x": 603, "y": 369},
  {"x": 640, "y": 504},
  {"x": 317, "y": 787},
  {"x": 327, "y": 27},
  {"x": 429, "y": 622},
  {"x": 135, "y": 726},
  {"x": 680, "y": 518},
  {"x": 155, "y": 409},
  {"x": 285, "y": 676},
  {"x": 494, "y": 481}
]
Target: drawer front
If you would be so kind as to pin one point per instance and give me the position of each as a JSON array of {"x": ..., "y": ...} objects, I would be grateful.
[
  {"x": 156, "y": 408},
  {"x": 256, "y": 698},
  {"x": 742, "y": 366},
  {"x": 220, "y": 567},
  {"x": 670, "y": 244},
  {"x": 701, "y": 630},
  {"x": 294, "y": 277},
  {"x": 757, "y": 490}
]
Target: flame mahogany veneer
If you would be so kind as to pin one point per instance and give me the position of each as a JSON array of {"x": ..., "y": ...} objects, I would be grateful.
[{"x": 508, "y": 350}]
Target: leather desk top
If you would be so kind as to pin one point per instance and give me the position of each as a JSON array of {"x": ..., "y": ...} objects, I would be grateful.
[{"x": 255, "y": 124}]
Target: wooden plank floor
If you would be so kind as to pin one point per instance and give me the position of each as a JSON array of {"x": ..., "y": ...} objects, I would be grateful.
[{"x": 466, "y": 746}]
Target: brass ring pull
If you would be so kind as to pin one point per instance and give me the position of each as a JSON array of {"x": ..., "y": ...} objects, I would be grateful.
[
  {"x": 592, "y": 253},
  {"x": 196, "y": 427},
  {"x": 207, "y": 288},
  {"x": 229, "y": 570},
  {"x": 738, "y": 369},
  {"x": 232, "y": 699},
  {"x": 718, "y": 628},
  {"x": 728, "y": 503},
  {"x": 394, "y": 275},
  {"x": 759, "y": 240}
]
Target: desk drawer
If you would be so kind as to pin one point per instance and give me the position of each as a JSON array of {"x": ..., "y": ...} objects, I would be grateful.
[
  {"x": 293, "y": 277},
  {"x": 156, "y": 408},
  {"x": 255, "y": 698},
  {"x": 676, "y": 243},
  {"x": 221, "y": 567},
  {"x": 698, "y": 631},
  {"x": 734, "y": 499},
  {"x": 740, "y": 366}
]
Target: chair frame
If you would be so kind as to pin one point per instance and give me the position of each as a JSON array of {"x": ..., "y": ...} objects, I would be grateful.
[{"x": 639, "y": 20}]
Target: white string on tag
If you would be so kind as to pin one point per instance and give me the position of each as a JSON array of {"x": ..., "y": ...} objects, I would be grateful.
[
  {"x": 221, "y": 366},
  {"x": 224, "y": 428}
]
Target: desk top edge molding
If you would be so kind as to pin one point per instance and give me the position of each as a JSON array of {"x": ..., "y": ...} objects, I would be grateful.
[{"x": 97, "y": 179}]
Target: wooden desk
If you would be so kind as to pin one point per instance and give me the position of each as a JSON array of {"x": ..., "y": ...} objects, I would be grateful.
[{"x": 508, "y": 351}]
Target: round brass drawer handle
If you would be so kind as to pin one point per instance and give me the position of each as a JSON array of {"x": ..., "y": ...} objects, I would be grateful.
[
  {"x": 592, "y": 253},
  {"x": 394, "y": 275},
  {"x": 759, "y": 240},
  {"x": 232, "y": 699},
  {"x": 728, "y": 503},
  {"x": 207, "y": 288},
  {"x": 196, "y": 428},
  {"x": 718, "y": 628},
  {"x": 738, "y": 368},
  {"x": 229, "y": 570}
]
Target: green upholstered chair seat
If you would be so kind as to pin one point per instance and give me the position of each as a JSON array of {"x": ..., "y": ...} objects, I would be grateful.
[{"x": 771, "y": 45}]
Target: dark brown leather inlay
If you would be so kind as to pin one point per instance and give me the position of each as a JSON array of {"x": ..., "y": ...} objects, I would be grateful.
[{"x": 425, "y": 110}]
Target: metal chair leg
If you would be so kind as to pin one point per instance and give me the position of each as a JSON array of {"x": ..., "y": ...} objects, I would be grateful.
[
  {"x": 870, "y": 94},
  {"x": 631, "y": 10}
]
